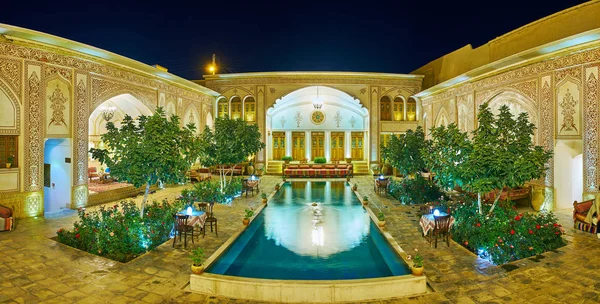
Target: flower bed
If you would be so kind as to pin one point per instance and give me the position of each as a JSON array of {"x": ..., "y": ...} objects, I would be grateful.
[
  {"x": 415, "y": 191},
  {"x": 118, "y": 232},
  {"x": 506, "y": 235}
]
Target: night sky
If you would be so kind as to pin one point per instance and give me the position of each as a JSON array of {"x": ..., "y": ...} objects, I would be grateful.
[{"x": 252, "y": 36}]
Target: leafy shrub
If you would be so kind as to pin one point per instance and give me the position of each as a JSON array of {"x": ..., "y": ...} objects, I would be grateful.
[
  {"x": 118, "y": 233},
  {"x": 320, "y": 160},
  {"x": 415, "y": 191},
  {"x": 506, "y": 235},
  {"x": 288, "y": 158}
]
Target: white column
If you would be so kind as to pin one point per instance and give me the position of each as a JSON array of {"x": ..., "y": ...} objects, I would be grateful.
[
  {"x": 348, "y": 144},
  {"x": 307, "y": 144},
  {"x": 288, "y": 143},
  {"x": 327, "y": 144}
]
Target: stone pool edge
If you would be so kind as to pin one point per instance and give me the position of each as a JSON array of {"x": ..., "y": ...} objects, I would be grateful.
[{"x": 316, "y": 291}]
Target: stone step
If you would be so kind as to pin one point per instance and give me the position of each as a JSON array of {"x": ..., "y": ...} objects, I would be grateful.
[{"x": 275, "y": 167}]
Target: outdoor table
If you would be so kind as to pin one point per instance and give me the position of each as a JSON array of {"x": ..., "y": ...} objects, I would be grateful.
[
  {"x": 197, "y": 217},
  {"x": 427, "y": 222}
]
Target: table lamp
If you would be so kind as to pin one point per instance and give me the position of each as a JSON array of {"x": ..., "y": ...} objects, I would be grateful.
[{"x": 436, "y": 212}]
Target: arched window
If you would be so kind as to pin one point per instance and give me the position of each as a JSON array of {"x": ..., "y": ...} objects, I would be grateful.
[
  {"x": 250, "y": 109},
  {"x": 223, "y": 107},
  {"x": 236, "y": 108},
  {"x": 398, "y": 108},
  {"x": 411, "y": 110},
  {"x": 385, "y": 108}
]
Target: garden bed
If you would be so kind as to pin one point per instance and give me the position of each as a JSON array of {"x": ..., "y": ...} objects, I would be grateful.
[{"x": 506, "y": 235}]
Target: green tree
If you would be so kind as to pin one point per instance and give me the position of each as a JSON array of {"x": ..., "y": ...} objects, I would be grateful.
[
  {"x": 403, "y": 152},
  {"x": 501, "y": 154},
  {"x": 231, "y": 142},
  {"x": 149, "y": 149}
]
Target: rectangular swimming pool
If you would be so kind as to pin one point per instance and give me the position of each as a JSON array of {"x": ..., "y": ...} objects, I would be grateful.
[{"x": 293, "y": 240}]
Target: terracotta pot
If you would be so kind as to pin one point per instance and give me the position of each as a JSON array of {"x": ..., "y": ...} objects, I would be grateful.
[
  {"x": 417, "y": 271},
  {"x": 365, "y": 203},
  {"x": 348, "y": 178},
  {"x": 354, "y": 188},
  {"x": 264, "y": 200},
  {"x": 246, "y": 221},
  {"x": 381, "y": 223},
  {"x": 276, "y": 188},
  {"x": 197, "y": 269}
]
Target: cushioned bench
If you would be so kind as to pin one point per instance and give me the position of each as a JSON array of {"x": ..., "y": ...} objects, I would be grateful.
[
  {"x": 580, "y": 214},
  {"x": 318, "y": 170},
  {"x": 6, "y": 219}
]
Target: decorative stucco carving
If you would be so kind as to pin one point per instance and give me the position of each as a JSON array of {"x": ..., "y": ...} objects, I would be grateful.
[
  {"x": 15, "y": 101},
  {"x": 103, "y": 89},
  {"x": 58, "y": 101},
  {"x": 33, "y": 129},
  {"x": 546, "y": 126},
  {"x": 10, "y": 71},
  {"x": 590, "y": 125},
  {"x": 81, "y": 137}
]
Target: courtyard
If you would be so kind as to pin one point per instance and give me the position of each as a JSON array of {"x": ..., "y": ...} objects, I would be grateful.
[{"x": 37, "y": 269}]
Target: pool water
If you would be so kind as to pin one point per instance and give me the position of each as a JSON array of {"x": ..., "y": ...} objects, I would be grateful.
[{"x": 291, "y": 239}]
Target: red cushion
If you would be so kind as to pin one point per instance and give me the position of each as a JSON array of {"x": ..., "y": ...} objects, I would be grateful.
[
  {"x": 292, "y": 167},
  {"x": 329, "y": 166},
  {"x": 580, "y": 217},
  {"x": 304, "y": 167},
  {"x": 584, "y": 207}
]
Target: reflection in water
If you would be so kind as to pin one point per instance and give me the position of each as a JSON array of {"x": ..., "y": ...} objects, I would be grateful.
[{"x": 336, "y": 224}]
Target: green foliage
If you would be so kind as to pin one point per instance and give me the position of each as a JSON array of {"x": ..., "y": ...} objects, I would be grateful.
[
  {"x": 320, "y": 160},
  {"x": 248, "y": 213},
  {"x": 234, "y": 188},
  {"x": 149, "y": 149},
  {"x": 381, "y": 216},
  {"x": 417, "y": 260},
  {"x": 288, "y": 158},
  {"x": 404, "y": 152},
  {"x": 263, "y": 195},
  {"x": 365, "y": 198},
  {"x": 10, "y": 159},
  {"x": 231, "y": 142},
  {"x": 506, "y": 235},
  {"x": 501, "y": 153},
  {"x": 197, "y": 256},
  {"x": 118, "y": 232},
  {"x": 415, "y": 191}
]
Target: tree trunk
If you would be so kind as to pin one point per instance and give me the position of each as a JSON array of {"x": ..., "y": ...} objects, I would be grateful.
[
  {"x": 495, "y": 202},
  {"x": 144, "y": 200},
  {"x": 479, "y": 202}
]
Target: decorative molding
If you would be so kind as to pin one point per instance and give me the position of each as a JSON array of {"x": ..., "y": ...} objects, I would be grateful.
[
  {"x": 81, "y": 131},
  {"x": 298, "y": 118},
  {"x": 590, "y": 125},
  {"x": 338, "y": 119},
  {"x": 103, "y": 89},
  {"x": 15, "y": 101},
  {"x": 546, "y": 127},
  {"x": 33, "y": 139},
  {"x": 527, "y": 88},
  {"x": 80, "y": 196},
  {"x": 10, "y": 71}
]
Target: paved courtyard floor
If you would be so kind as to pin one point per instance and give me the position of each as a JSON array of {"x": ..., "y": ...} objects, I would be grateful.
[{"x": 36, "y": 269}]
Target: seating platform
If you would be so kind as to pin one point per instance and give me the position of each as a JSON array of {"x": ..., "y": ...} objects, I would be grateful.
[
  {"x": 581, "y": 220},
  {"x": 318, "y": 170}
]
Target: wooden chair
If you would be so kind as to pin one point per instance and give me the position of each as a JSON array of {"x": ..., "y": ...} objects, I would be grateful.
[
  {"x": 382, "y": 185},
  {"x": 426, "y": 209},
  {"x": 181, "y": 227},
  {"x": 442, "y": 229},
  {"x": 210, "y": 218},
  {"x": 249, "y": 185}
]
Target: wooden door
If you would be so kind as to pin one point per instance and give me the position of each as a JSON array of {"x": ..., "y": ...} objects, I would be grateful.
[
  {"x": 278, "y": 145},
  {"x": 357, "y": 139},
  {"x": 298, "y": 151},
  {"x": 337, "y": 146},
  {"x": 318, "y": 144}
]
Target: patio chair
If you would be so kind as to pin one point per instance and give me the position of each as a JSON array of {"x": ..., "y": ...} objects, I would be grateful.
[
  {"x": 210, "y": 218},
  {"x": 182, "y": 228},
  {"x": 426, "y": 209},
  {"x": 249, "y": 185},
  {"x": 382, "y": 185},
  {"x": 442, "y": 229}
]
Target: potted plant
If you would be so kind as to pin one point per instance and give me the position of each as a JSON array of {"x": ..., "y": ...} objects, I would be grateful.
[
  {"x": 365, "y": 200},
  {"x": 276, "y": 186},
  {"x": 287, "y": 159},
  {"x": 9, "y": 160},
  {"x": 283, "y": 177},
  {"x": 348, "y": 178},
  {"x": 320, "y": 160},
  {"x": 355, "y": 187},
  {"x": 348, "y": 160},
  {"x": 264, "y": 198},
  {"x": 417, "y": 268},
  {"x": 375, "y": 169},
  {"x": 248, "y": 215},
  {"x": 381, "y": 218},
  {"x": 197, "y": 260}
]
